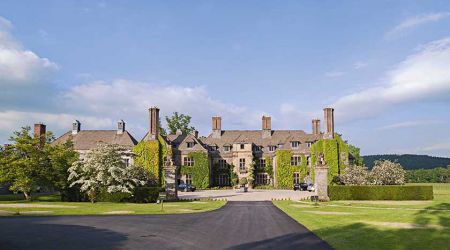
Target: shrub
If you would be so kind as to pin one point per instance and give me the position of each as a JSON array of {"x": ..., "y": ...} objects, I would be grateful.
[
  {"x": 105, "y": 196},
  {"x": 243, "y": 181},
  {"x": 392, "y": 192},
  {"x": 146, "y": 194},
  {"x": 355, "y": 175},
  {"x": 387, "y": 173}
]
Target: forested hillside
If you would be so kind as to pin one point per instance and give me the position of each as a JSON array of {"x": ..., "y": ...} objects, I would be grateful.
[{"x": 410, "y": 161}]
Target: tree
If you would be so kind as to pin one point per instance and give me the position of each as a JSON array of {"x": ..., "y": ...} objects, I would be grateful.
[
  {"x": 355, "y": 175},
  {"x": 24, "y": 163},
  {"x": 387, "y": 173},
  {"x": 61, "y": 156},
  {"x": 162, "y": 130},
  {"x": 105, "y": 168},
  {"x": 179, "y": 121},
  {"x": 355, "y": 152}
]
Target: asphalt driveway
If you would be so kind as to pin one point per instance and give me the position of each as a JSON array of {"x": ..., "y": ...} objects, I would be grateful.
[{"x": 237, "y": 225}]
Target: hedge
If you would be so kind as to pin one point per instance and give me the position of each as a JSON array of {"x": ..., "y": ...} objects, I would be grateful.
[
  {"x": 391, "y": 192},
  {"x": 140, "y": 195}
]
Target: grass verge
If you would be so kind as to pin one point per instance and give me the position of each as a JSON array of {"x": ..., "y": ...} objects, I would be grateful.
[{"x": 378, "y": 224}]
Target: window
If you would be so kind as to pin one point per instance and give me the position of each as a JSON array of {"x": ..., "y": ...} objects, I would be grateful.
[
  {"x": 296, "y": 177},
  {"x": 295, "y": 160},
  {"x": 256, "y": 148},
  {"x": 294, "y": 144},
  {"x": 189, "y": 179},
  {"x": 222, "y": 163},
  {"x": 223, "y": 180},
  {"x": 190, "y": 144},
  {"x": 242, "y": 146},
  {"x": 308, "y": 160},
  {"x": 272, "y": 148},
  {"x": 227, "y": 148},
  {"x": 309, "y": 144},
  {"x": 262, "y": 179},
  {"x": 262, "y": 163},
  {"x": 242, "y": 167},
  {"x": 188, "y": 161},
  {"x": 213, "y": 148},
  {"x": 127, "y": 162}
]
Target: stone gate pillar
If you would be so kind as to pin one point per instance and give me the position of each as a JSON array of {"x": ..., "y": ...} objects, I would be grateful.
[
  {"x": 321, "y": 179},
  {"x": 170, "y": 179}
]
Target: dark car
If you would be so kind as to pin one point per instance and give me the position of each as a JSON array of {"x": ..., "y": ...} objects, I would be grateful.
[
  {"x": 186, "y": 187},
  {"x": 300, "y": 186}
]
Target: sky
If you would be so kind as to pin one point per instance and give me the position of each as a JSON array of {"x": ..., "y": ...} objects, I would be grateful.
[{"x": 384, "y": 66}]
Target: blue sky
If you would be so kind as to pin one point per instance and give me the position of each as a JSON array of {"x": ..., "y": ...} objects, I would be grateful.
[{"x": 383, "y": 65}]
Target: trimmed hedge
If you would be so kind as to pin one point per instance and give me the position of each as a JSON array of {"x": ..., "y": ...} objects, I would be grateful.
[
  {"x": 391, "y": 192},
  {"x": 140, "y": 195}
]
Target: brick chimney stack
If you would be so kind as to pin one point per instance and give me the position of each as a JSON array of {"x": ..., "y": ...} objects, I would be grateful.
[
  {"x": 120, "y": 127},
  {"x": 154, "y": 119},
  {"x": 266, "y": 127},
  {"x": 329, "y": 123},
  {"x": 216, "y": 127},
  {"x": 316, "y": 126},
  {"x": 76, "y": 127},
  {"x": 39, "y": 129}
]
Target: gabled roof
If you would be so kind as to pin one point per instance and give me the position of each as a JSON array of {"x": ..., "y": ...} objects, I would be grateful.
[
  {"x": 89, "y": 139},
  {"x": 278, "y": 137},
  {"x": 180, "y": 142}
]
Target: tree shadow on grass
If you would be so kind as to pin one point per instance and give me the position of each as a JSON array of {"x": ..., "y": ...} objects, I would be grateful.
[
  {"x": 430, "y": 229},
  {"x": 34, "y": 233}
]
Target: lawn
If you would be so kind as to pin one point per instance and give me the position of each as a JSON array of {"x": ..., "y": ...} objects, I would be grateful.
[
  {"x": 378, "y": 224},
  {"x": 47, "y": 205}
]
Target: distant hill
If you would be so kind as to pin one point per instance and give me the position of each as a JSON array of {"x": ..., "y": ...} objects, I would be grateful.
[{"x": 410, "y": 161}]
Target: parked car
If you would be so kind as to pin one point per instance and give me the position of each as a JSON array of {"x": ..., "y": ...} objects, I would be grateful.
[
  {"x": 300, "y": 186},
  {"x": 186, "y": 187}
]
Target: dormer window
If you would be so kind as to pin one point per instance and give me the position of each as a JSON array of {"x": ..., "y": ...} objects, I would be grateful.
[
  {"x": 256, "y": 148},
  {"x": 213, "y": 148},
  {"x": 309, "y": 144},
  {"x": 272, "y": 148},
  {"x": 190, "y": 144},
  {"x": 227, "y": 148},
  {"x": 295, "y": 144},
  {"x": 242, "y": 146}
]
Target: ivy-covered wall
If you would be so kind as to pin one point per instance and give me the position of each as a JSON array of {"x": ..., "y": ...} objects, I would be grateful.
[
  {"x": 335, "y": 152},
  {"x": 285, "y": 171},
  {"x": 150, "y": 155},
  {"x": 200, "y": 170}
]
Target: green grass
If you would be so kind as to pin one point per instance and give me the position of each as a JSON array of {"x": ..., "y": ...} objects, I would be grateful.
[
  {"x": 378, "y": 224},
  {"x": 38, "y": 207}
]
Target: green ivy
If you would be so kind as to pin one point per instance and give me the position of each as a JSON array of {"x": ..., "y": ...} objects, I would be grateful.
[
  {"x": 200, "y": 170},
  {"x": 285, "y": 171},
  {"x": 335, "y": 152},
  {"x": 150, "y": 155}
]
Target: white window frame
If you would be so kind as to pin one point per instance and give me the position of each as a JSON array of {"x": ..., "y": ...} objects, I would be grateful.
[
  {"x": 297, "y": 144},
  {"x": 242, "y": 166},
  {"x": 188, "y": 179},
  {"x": 188, "y": 161},
  {"x": 190, "y": 144},
  {"x": 296, "y": 177},
  {"x": 262, "y": 163},
  {"x": 272, "y": 148},
  {"x": 296, "y": 160}
]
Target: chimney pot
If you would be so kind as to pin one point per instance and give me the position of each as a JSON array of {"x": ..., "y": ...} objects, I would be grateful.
[
  {"x": 120, "y": 127},
  {"x": 76, "y": 127},
  {"x": 316, "y": 126}
]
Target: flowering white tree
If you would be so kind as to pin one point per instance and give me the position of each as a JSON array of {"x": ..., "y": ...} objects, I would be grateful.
[
  {"x": 104, "y": 168},
  {"x": 355, "y": 175},
  {"x": 387, "y": 173}
]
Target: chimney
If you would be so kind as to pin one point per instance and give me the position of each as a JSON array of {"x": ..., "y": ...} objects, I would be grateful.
[
  {"x": 154, "y": 120},
  {"x": 266, "y": 127},
  {"x": 179, "y": 132},
  {"x": 316, "y": 126},
  {"x": 329, "y": 123},
  {"x": 195, "y": 133},
  {"x": 216, "y": 127},
  {"x": 120, "y": 127},
  {"x": 39, "y": 132},
  {"x": 76, "y": 127}
]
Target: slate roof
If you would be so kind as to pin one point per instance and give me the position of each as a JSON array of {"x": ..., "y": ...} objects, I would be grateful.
[{"x": 89, "y": 139}]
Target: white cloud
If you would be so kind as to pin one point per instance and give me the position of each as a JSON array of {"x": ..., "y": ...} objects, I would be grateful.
[
  {"x": 415, "y": 21},
  {"x": 421, "y": 76},
  {"x": 19, "y": 66},
  {"x": 408, "y": 124},
  {"x": 437, "y": 147},
  {"x": 12, "y": 120},
  {"x": 333, "y": 74},
  {"x": 359, "y": 65}
]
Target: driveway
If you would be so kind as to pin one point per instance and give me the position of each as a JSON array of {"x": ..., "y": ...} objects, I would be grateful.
[
  {"x": 237, "y": 225},
  {"x": 251, "y": 195}
]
